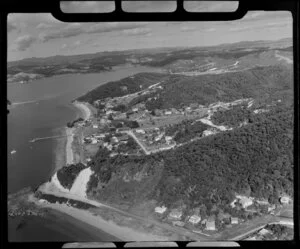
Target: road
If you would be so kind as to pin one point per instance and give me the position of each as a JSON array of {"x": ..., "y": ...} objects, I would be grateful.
[
  {"x": 276, "y": 220},
  {"x": 177, "y": 230},
  {"x": 281, "y": 57},
  {"x": 130, "y": 133}
]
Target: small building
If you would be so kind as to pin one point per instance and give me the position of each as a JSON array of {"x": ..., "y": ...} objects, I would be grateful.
[
  {"x": 95, "y": 126},
  {"x": 210, "y": 225},
  {"x": 285, "y": 200},
  {"x": 168, "y": 138},
  {"x": 271, "y": 208},
  {"x": 114, "y": 140},
  {"x": 245, "y": 201},
  {"x": 88, "y": 159},
  {"x": 263, "y": 231},
  {"x": 94, "y": 141},
  {"x": 160, "y": 210},
  {"x": 175, "y": 214},
  {"x": 168, "y": 112},
  {"x": 125, "y": 137},
  {"x": 178, "y": 223},
  {"x": 194, "y": 219},
  {"x": 234, "y": 220},
  {"x": 140, "y": 131},
  {"x": 203, "y": 222}
]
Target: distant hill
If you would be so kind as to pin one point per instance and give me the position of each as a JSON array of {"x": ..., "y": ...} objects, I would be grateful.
[{"x": 258, "y": 82}]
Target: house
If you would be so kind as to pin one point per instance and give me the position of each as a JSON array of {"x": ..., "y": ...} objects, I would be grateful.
[
  {"x": 178, "y": 223},
  {"x": 175, "y": 214},
  {"x": 160, "y": 210},
  {"x": 245, "y": 201},
  {"x": 114, "y": 140},
  {"x": 95, "y": 126},
  {"x": 210, "y": 225},
  {"x": 263, "y": 231},
  {"x": 194, "y": 219},
  {"x": 168, "y": 112},
  {"x": 140, "y": 131},
  {"x": 262, "y": 202},
  {"x": 285, "y": 200},
  {"x": 203, "y": 222},
  {"x": 88, "y": 159},
  {"x": 94, "y": 141},
  {"x": 271, "y": 208},
  {"x": 168, "y": 138},
  {"x": 124, "y": 138},
  {"x": 234, "y": 220}
]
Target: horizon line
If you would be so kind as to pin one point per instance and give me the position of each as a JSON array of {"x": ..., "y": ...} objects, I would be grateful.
[{"x": 127, "y": 50}]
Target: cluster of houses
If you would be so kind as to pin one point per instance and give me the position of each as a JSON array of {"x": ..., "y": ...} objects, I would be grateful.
[
  {"x": 177, "y": 218},
  {"x": 154, "y": 137},
  {"x": 250, "y": 204}
]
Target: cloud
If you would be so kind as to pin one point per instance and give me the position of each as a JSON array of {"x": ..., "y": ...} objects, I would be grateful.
[
  {"x": 187, "y": 28},
  {"x": 109, "y": 27},
  {"x": 44, "y": 26},
  {"x": 71, "y": 46},
  {"x": 10, "y": 27},
  {"x": 23, "y": 42},
  {"x": 70, "y": 30},
  {"x": 210, "y": 30},
  {"x": 137, "y": 31},
  {"x": 76, "y": 29},
  {"x": 237, "y": 29}
]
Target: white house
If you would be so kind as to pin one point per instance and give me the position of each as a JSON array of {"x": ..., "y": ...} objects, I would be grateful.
[
  {"x": 95, "y": 126},
  {"x": 263, "y": 231},
  {"x": 285, "y": 200},
  {"x": 245, "y": 201},
  {"x": 210, "y": 225},
  {"x": 160, "y": 210},
  {"x": 175, "y": 214},
  {"x": 194, "y": 219},
  {"x": 234, "y": 220},
  {"x": 141, "y": 131}
]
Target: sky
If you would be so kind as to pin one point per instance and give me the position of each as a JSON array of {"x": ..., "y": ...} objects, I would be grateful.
[{"x": 41, "y": 35}]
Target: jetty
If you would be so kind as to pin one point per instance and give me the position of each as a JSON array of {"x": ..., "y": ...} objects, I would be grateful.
[{"x": 44, "y": 138}]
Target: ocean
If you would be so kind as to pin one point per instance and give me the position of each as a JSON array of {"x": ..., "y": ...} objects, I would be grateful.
[{"x": 41, "y": 109}]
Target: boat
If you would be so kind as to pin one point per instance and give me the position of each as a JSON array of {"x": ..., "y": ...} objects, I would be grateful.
[{"x": 13, "y": 152}]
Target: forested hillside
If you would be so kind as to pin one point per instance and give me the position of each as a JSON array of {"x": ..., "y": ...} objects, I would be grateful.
[
  {"x": 260, "y": 82},
  {"x": 255, "y": 160},
  {"x": 113, "y": 89}
]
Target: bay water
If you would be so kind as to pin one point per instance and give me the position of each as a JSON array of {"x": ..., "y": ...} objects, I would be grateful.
[{"x": 41, "y": 109}]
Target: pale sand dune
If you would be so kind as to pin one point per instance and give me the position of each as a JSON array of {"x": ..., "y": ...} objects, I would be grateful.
[
  {"x": 80, "y": 183},
  {"x": 84, "y": 109}
]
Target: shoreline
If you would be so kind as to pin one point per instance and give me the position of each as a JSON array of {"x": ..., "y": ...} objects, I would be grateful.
[
  {"x": 88, "y": 220},
  {"x": 86, "y": 114}
]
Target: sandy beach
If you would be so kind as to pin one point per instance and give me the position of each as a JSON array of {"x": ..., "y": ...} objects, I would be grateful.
[
  {"x": 69, "y": 151},
  {"x": 91, "y": 219},
  {"x": 83, "y": 107}
]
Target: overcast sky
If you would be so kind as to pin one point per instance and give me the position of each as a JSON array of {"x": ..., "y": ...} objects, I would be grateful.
[{"x": 41, "y": 35}]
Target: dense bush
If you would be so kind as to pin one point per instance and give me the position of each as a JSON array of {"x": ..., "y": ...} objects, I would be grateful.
[{"x": 68, "y": 174}]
